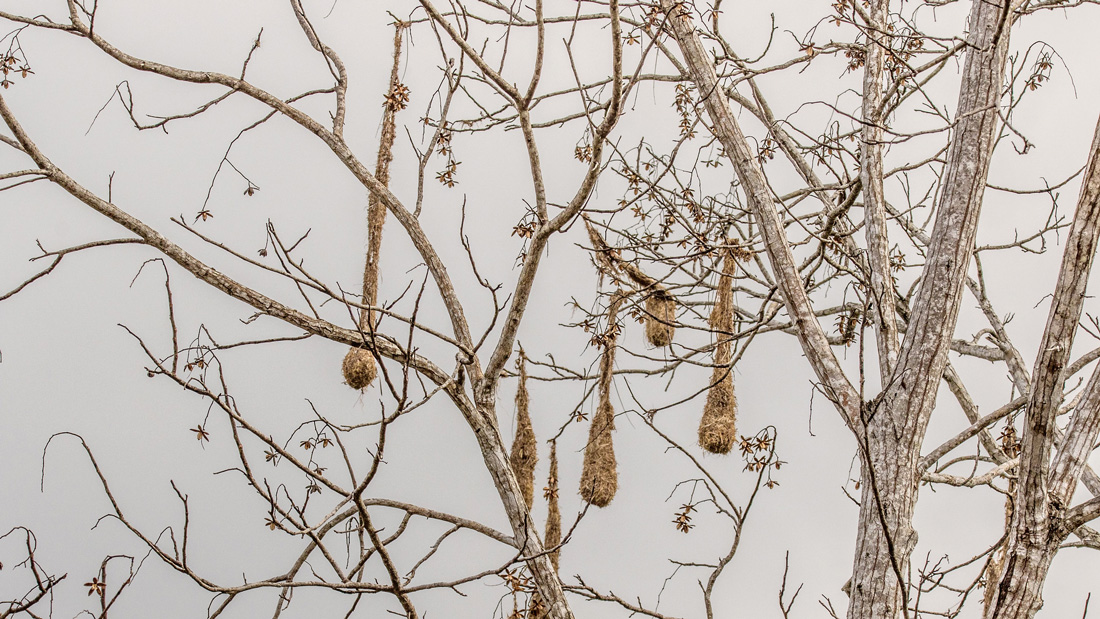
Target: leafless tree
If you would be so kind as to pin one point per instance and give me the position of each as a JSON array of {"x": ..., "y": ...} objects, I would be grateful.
[{"x": 743, "y": 211}]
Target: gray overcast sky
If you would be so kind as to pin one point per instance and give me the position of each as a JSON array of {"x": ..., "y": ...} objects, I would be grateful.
[{"x": 68, "y": 366}]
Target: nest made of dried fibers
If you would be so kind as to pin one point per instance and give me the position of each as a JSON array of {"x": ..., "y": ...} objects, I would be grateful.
[
  {"x": 524, "y": 455},
  {"x": 359, "y": 368},
  {"x": 600, "y": 475},
  {"x": 660, "y": 317},
  {"x": 553, "y": 513},
  {"x": 718, "y": 426}
]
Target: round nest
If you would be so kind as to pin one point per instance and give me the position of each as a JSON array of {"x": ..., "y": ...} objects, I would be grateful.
[{"x": 359, "y": 368}]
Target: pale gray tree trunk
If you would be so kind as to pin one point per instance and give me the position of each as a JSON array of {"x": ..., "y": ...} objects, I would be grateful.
[
  {"x": 891, "y": 427},
  {"x": 1040, "y": 520}
]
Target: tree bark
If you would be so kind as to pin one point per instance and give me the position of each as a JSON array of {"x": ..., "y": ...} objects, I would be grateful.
[
  {"x": 1039, "y": 523},
  {"x": 889, "y": 429},
  {"x": 897, "y": 420}
]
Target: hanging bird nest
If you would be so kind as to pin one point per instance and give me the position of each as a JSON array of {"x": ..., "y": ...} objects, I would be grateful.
[
  {"x": 660, "y": 318},
  {"x": 718, "y": 426},
  {"x": 359, "y": 368},
  {"x": 553, "y": 513},
  {"x": 599, "y": 475},
  {"x": 524, "y": 455}
]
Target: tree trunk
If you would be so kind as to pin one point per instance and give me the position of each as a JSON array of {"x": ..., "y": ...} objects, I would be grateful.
[
  {"x": 886, "y": 537},
  {"x": 893, "y": 424},
  {"x": 1045, "y": 487}
]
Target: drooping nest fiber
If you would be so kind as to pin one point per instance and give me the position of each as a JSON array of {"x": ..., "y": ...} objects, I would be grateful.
[
  {"x": 359, "y": 368},
  {"x": 524, "y": 455},
  {"x": 718, "y": 426},
  {"x": 660, "y": 310},
  {"x": 553, "y": 513},
  {"x": 600, "y": 475},
  {"x": 359, "y": 365}
]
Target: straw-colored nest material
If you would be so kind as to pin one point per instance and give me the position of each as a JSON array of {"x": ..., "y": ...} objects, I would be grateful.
[
  {"x": 718, "y": 426},
  {"x": 359, "y": 368},
  {"x": 553, "y": 513},
  {"x": 359, "y": 365},
  {"x": 600, "y": 475},
  {"x": 660, "y": 309},
  {"x": 524, "y": 453},
  {"x": 608, "y": 260}
]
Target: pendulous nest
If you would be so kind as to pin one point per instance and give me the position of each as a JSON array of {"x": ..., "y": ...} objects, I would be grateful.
[
  {"x": 600, "y": 475},
  {"x": 553, "y": 513},
  {"x": 660, "y": 318},
  {"x": 718, "y": 426},
  {"x": 524, "y": 454},
  {"x": 359, "y": 368}
]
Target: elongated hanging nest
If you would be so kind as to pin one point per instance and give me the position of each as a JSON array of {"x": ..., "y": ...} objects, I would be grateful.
[
  {"x": 524, "y": 455},
  {"x": 553, "y": 513},
  {"x": 660, "y": 310},
  {"x": 359, "y": 366},
  {"x": 600, "y": 475},
  {"x": 718, "y": 426}
]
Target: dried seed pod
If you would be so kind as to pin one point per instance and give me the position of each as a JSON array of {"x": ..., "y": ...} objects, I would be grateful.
[
  {"x": 359, "y": 365},
  {"x": 718, "y": 426},
  {"x": 359, "y": 368},
  {"x": 524, "y": 454},
  {"x": 553, "y": 512},
  {"x": 660, "y": 317},
  {"x": 599, "y": 475}
]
